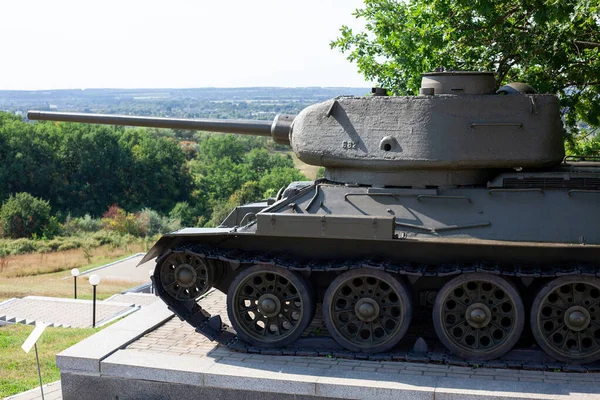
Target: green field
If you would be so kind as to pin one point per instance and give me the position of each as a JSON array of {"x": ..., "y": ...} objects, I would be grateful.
[{"x": 18, "y": 371}]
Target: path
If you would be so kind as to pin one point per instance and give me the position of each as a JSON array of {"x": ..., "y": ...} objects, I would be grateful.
[{"x": 124, "y": 270}]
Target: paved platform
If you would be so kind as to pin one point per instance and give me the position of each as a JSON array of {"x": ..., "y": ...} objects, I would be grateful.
[
  {"x": 57, "y": 312},
  {"x": 153, "y": 355}
]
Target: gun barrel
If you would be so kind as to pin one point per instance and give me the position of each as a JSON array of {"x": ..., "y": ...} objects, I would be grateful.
[{"x": 276, "y": 129}]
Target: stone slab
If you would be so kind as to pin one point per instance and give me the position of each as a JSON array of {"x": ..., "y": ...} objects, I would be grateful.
[
  {"x": 135, "y": 368},
  {"x": 139, "y": 299},
  {"x": 77, "y": 387},
  {"x": 86, "y": 355}
]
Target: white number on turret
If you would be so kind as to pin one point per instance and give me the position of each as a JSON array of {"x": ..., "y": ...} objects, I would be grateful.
[{"x": 349, "y": 145}]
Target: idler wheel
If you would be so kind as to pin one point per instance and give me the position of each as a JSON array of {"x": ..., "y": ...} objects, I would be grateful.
[
  {"x": 478, "y": 316},
  {"x": 269, "y": 306},
  {"x": 565, "y": 319},
  {"x": 184, "y": 275},
  {"x": 367, "y": 310}
]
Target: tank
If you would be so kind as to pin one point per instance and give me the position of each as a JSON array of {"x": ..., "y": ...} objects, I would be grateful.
[{"x": 454, "y": 210}]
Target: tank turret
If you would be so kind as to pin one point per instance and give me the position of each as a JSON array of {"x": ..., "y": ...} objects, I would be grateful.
[{"x": 457, "y": 132}]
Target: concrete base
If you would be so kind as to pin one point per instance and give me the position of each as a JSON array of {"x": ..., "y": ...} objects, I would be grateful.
[
  {"x": 130, "y": 389},
  {"x": 111, "y": 365}
]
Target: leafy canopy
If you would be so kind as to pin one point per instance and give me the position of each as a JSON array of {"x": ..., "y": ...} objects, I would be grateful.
[
  {"x": 24, "y": 215},
  {"x": 553, "y": 45}
]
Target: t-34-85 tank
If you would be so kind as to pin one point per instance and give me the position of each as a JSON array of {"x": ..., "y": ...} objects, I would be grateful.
[{"x": 456, "y": 205}]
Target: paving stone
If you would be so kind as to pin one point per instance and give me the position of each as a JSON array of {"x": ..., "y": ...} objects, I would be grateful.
[
  {"x": 410, "y": 372},
  {"x": 434, "y": 373},
  {"x": 365, "y": 369},
  {"x": 389, "y": 370},
  {"x": 483, "y": 377},
  {"x": 529, "y": 379},
  {"x": 318, "y": 365},
  {"x": 506, "y": 378},
  {"x": 453, "y": 375}
]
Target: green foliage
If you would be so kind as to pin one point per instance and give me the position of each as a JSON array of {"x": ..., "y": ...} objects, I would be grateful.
[
  {"x": 118, "y": 220},
  {"x": 220, "y": 210},
  {"x": 151, "y": 223},
  {"x": 93, "y": 240},
  {"x": 320, "y": 173},
  {"x": 552, "y": 45},
  {"x": 145, "y": 223},
  {"x": 230, "y": 173},
  {"x": 85, "y": 168},
  {"x": 278, "y": 177},
  {"x": 184, "y": 213},
  {"x": 88, "y": 224},
  {"x": 24, "y": 215},
  {"x": 585, "y": 146},
  {"x": 249, "y": 192}
]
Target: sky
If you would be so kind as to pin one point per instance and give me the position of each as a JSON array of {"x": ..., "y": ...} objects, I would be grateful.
[{"x": 73, "y": 44}]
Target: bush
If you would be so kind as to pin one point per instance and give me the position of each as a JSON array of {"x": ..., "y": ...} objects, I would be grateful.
[
  {"x": 151, "y": 223},
  {"x": 88, "y": 224},
  {"x": 116, "y": 219},
  {"x": 20, "y": 246},
  {"x": 23, "y": 215},
  {"x": 184, "y": 213}
]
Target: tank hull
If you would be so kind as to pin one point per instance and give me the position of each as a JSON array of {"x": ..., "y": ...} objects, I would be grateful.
[{"x": 519, "y": 236}]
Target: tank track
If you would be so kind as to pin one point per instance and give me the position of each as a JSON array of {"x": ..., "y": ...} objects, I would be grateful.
[{"x": 213, "y": 328}]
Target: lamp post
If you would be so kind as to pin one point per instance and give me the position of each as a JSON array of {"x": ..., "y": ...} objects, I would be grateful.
[
  {"x": 151, "y": 272},
  {"x": 94, "y": 281},
  {"x": 75, "y": 273}
]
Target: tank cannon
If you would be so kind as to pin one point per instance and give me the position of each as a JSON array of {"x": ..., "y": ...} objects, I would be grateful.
[
  {"x": 278, "y": 129},
  {"x": 455, "y": 203}
]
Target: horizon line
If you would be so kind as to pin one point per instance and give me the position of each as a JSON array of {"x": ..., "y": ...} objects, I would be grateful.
[{"x": 189, "y": 88}]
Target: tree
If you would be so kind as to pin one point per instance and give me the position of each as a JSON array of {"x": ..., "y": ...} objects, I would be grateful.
[
  {"x": 24, "y": 215},
  {"x": 184, "y": 213},
  {"x": 554, "y": 45},
  {"x": 278, "y": 177}
]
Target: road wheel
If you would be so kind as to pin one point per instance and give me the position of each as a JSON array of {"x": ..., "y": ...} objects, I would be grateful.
[
  {"x": 367, "y": 310},
  {"x": 478, "y": 316},
  {"x": 269, "y": 306}
]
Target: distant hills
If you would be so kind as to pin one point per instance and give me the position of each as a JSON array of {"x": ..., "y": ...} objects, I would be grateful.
[{"x": 249, "y": 102}]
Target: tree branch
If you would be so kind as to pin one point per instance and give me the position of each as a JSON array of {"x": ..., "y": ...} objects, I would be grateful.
[{"x": 587, "y": 44}]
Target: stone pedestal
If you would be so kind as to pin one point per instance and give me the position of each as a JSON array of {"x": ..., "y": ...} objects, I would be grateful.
[{"x": 152, "y": 355}]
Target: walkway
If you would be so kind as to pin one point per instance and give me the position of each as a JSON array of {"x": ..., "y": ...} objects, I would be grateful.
[
  {"x": 67, "y": 313},
  {"x": 124, "y": 270}
]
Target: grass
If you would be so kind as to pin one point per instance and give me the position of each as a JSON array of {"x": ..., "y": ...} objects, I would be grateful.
[
  {"x": 42, "y": 274},
  {"x": 31, "y": 264},
  {"x": 18, "y": 371}
]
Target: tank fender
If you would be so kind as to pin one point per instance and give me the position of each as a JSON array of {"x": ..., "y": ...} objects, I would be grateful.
[{"x": 159, "y": 247}]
